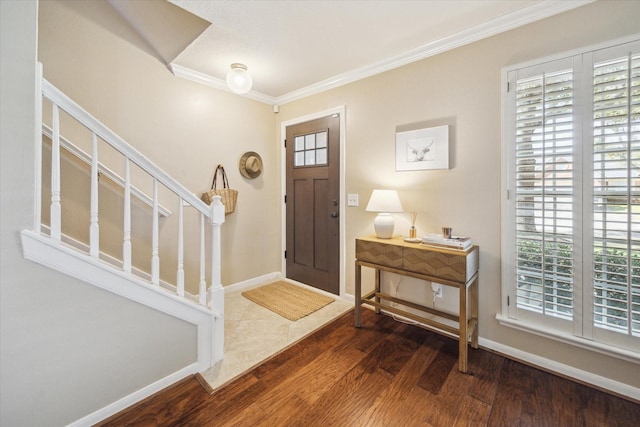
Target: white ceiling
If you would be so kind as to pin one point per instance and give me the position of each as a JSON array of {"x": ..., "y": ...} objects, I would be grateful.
[{"x": 295, "y": 48}]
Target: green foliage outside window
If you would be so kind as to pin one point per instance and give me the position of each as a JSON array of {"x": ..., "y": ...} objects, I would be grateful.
[{"x": 611, "y": 267}]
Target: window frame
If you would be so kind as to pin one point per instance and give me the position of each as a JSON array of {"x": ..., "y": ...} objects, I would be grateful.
[{"x": 580, "y": 330}]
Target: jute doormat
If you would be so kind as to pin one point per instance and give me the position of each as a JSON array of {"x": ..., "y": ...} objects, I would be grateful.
[{"x": 289, "y": 301}]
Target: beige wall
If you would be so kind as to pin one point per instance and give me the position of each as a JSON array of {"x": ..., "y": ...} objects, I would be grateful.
[
  {"x": 67, "y": 348},
  {"x": 47, "y": 356},
  {"x": 91, "y": 54},
  {"x": 461, "y": 88}
]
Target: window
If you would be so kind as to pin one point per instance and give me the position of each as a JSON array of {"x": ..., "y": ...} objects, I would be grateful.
[
  {"x": 571, "y": 252},
  {"x": 311, "y": 149}
]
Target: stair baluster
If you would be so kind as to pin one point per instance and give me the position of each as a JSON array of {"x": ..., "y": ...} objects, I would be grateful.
[
  {"x": 56, "y": 207},
  {"x": 39, "y": 243},
  {"x": 180, "y": 274},
  {"x": 126, "y": 244},
  {"x": 155, "y": 258},
  {"x": 94, "y": 228}
]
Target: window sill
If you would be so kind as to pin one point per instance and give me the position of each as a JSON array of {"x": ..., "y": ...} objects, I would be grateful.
[{"x": 606, "y": 349}]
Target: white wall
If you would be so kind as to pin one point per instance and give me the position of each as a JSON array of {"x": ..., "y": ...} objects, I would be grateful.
[
  {"x": 461, "y": 88},
  {"x": 66, "y": 349}
]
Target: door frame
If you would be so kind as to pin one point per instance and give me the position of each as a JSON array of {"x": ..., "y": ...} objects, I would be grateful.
[{"x": 341, "y": 110}]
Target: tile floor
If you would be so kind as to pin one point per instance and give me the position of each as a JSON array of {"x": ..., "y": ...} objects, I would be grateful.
[{"x": 253, "y": 334}]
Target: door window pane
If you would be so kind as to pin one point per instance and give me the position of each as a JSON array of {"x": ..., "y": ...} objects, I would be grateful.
[
  {"x": 310, "y": 157},
  {"x": 311, "y": 149},
  {"x": 321, "y": 139},
  {"x": 321, "y": 156},
  {"x": 310, "y": 142}
]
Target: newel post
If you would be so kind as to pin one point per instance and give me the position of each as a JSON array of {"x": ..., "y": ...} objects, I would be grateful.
[{"x": 216, "y": 292}]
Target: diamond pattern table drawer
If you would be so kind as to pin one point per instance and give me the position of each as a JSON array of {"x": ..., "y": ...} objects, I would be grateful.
[
  {"x": 438, "y": 264},
  {"x": 379, "y": 253},
  {"x": 447, "y": 264}
]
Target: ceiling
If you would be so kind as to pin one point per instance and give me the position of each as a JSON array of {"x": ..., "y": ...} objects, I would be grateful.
[{"x": 296, "y": 48}]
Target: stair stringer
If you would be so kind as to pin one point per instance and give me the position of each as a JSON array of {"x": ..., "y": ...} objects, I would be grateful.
[{"x": 68, "y": 260}]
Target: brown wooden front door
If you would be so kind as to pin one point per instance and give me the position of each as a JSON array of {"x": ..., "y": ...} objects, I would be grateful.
[{"x": 313, "y": 203}]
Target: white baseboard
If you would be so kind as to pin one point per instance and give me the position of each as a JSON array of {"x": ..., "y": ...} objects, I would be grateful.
[
  {"x": 349, "y": 298},
  {"x": 260, "y": 280},
  {"x": 549, "y": 365},
  {"x": 560, "y": 369},
  {"x": 135, "y": 397},
  {"x": 69, "y": 261},
  {"x": 563, "y": 370},
  {"x": 276, "y": 275}
]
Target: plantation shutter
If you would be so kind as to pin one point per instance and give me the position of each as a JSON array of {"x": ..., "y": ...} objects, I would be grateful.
[
  {"x": 544, "y": 192},
  {"x": 572, "y": 217},
  {"x": 616, "y": 194}
]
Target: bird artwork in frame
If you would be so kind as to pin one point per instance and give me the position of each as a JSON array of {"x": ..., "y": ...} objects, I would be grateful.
[{"x": 422, "y": 149}]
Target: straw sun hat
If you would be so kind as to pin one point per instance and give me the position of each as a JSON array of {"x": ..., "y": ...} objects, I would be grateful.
[{"x": 250, "y": 165}]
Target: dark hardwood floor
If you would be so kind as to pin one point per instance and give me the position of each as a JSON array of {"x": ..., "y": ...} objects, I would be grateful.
[{"x": 383, "y": 374}]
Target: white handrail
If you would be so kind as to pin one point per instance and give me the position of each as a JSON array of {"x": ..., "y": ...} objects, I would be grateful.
[
  {"x": 110, "y": 137},
  {"x": 209, "y": 300},
  {"x": 103, "y": 170},
  {"x": 214, "y": 213},
  {"x": 72, "y": 255}
]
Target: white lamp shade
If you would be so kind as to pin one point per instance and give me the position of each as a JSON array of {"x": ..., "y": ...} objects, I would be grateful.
[
  {"x": 384, "y": 201},
  {"x": 238, "y": 79}
]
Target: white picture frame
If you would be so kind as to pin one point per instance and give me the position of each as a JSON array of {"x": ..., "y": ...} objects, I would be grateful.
[{"x": 422, "y": 149}]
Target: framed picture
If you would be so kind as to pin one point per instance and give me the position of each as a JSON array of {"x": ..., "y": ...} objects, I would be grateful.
[{"x": 423, "y": 149}]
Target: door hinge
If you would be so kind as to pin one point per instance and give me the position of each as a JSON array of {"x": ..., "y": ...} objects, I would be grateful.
[
  {"x": 508, "y": 195},
  {"x": 285, "y": 143},
  {"x": 285, "y": 198},
  {"x": 508, "y": 301},
  {"x": 508, "y": 87},
  {"x": 285, "y": 254}
]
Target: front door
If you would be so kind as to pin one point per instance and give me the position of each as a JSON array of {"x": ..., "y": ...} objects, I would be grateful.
[{"x": 313, "y": 203}]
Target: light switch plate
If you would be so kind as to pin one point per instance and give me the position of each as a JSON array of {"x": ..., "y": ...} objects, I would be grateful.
[{"x": 352, "y": 200}]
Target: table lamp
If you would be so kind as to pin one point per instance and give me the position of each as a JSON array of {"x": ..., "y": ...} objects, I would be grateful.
[{"x": 384, "y": 202}]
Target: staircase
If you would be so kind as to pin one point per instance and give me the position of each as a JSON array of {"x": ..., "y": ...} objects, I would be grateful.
[{"x": 144, "y": 237}]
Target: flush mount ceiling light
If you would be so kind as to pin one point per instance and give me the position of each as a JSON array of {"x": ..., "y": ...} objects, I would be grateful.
[{"x": 238, "y": 79}]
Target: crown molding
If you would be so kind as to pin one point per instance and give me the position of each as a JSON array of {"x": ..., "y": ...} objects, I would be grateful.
[
  {"x": 522, "y": 17},
  {"x": 207, "y": 80},
  {"x": 504, "y": 23}
]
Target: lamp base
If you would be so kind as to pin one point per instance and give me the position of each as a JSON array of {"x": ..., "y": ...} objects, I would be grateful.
[{"x": 384, "y": 224}]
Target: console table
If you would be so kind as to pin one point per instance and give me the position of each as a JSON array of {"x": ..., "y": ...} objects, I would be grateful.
[{"x": 448, "y": 267}]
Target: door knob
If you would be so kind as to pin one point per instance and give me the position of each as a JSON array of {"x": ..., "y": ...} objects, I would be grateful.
[{"x": 334, "y": 214}]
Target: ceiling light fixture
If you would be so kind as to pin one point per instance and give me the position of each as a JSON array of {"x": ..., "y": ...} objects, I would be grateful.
[{"x": 238, "y": 79}]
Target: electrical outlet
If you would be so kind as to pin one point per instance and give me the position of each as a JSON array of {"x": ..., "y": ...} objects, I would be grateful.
[
  {"x": 437, "y": 290},
  {"x": 352, "y": 200}
]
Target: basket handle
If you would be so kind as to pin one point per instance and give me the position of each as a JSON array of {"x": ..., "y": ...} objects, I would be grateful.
[{"x": 225, "y": 180}]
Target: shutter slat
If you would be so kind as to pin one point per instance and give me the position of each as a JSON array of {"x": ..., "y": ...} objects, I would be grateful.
[
  {"x": 544, "y": 193},
  {"x": 544, "y": 174},
  {"x": 611, "y": 245}
]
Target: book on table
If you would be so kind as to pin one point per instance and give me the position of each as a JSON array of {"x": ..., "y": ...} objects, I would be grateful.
[{"x": 455, "y": 242}]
